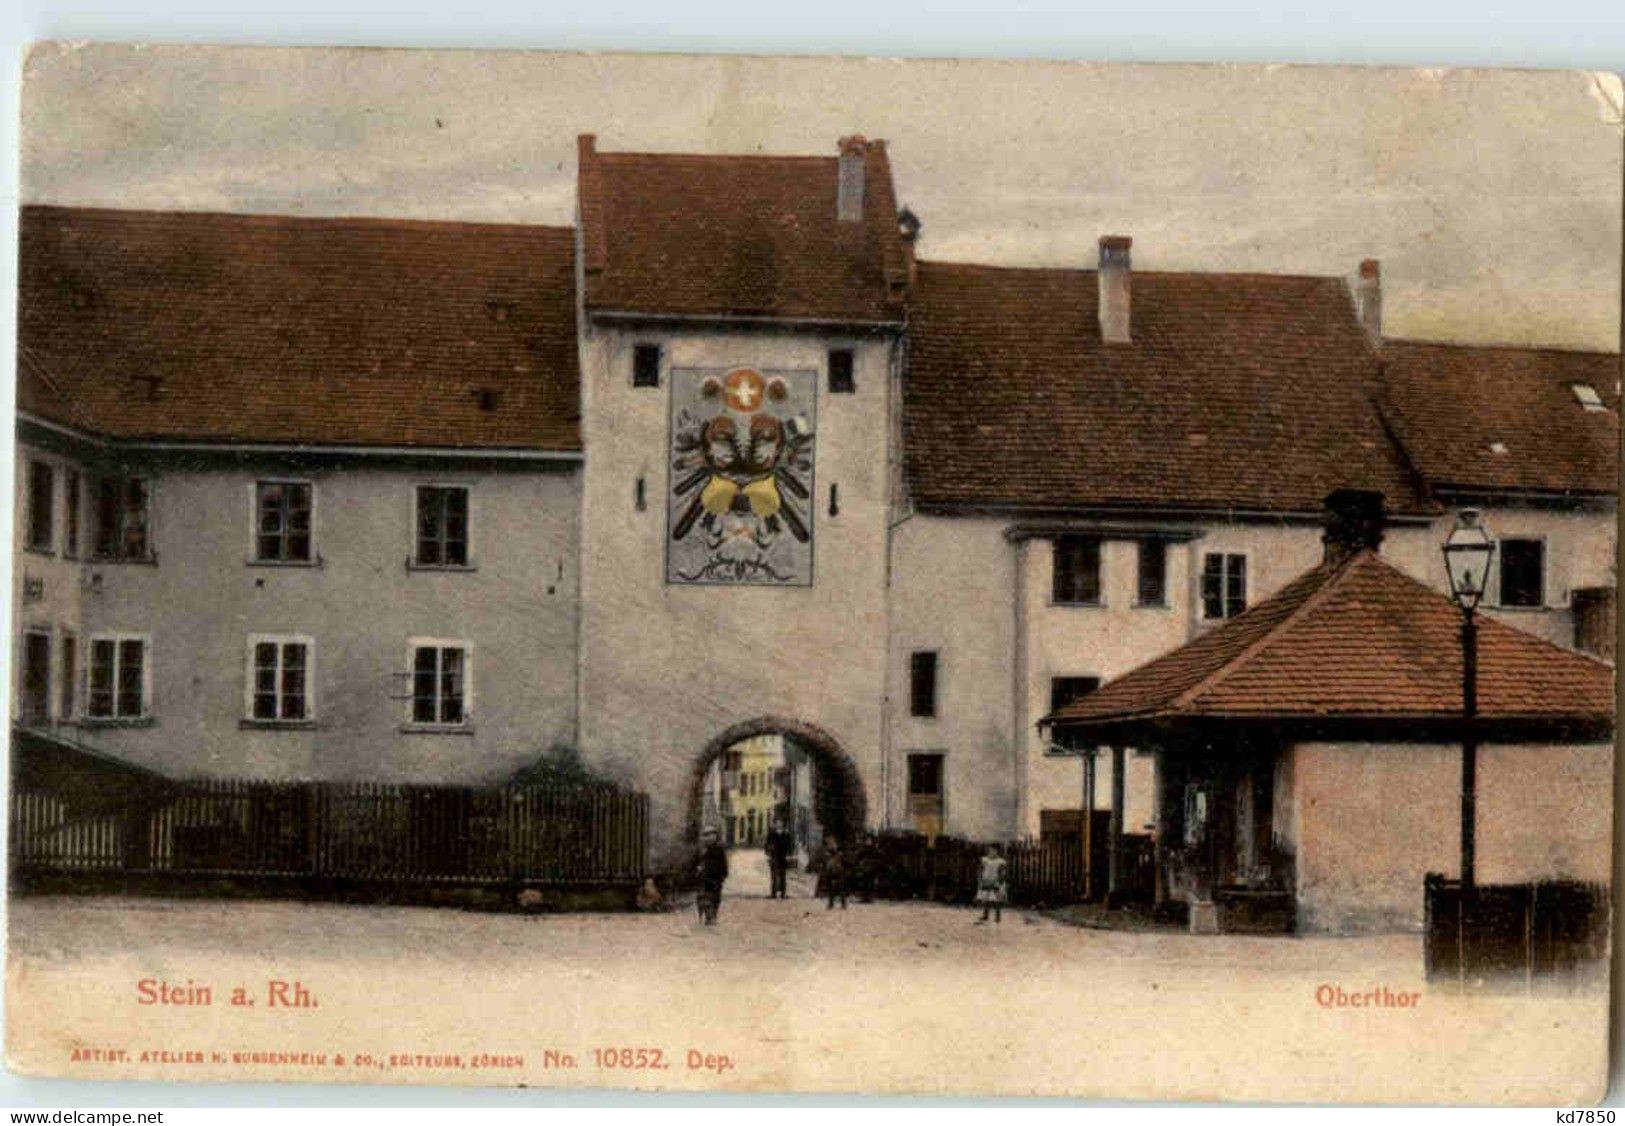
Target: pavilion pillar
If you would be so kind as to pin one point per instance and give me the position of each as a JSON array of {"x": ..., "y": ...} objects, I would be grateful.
[
  {"x": 1087, "y": 828},
  {"x": 1114, "y": 841}
]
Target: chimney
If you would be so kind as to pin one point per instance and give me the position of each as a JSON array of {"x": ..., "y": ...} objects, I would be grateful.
[
  {"x": 1368, "y": 300},
  {"x": 849, "y": 183},
  {"x": 1354, "y": 523},
  {"x": 908, "y": 232},
  {"x": 1115, "y": 285}
]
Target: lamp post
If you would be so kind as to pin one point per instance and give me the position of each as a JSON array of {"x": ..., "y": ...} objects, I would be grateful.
[{"x": 1467, "y": 554}]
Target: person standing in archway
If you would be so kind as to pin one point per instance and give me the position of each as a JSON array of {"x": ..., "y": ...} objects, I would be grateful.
[
  {"x": 712, "y": 870},
  {"x": 778, "y": 847}
]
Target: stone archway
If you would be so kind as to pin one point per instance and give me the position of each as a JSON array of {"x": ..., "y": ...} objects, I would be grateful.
[{"x": 843, "y": 813}]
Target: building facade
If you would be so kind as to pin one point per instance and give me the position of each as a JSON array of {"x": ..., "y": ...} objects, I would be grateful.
[{"x": 359, "y": 499}]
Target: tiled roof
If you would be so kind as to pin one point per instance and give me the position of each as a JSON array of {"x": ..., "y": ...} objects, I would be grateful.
[
  {"x": 223, "y": 328},
  {"x": 1505, "y": 418},
  {"x": 1238, "y": 391},
  {"x": 738, "y": 236},
  {"x": 1356, "y": 639}
]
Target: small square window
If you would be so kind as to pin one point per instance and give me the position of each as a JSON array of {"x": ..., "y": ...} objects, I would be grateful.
[
  {"x": 842, "y": 380},
  {"x": 646, "y": 365},
  {"x": 1065, "y": 689},
  {"x": 925, "y": 775}
]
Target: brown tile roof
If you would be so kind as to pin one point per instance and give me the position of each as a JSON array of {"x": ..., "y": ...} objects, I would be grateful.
[
  {"x": 1356, "y": 639},
  {"x": 1449, "y": 402},
  {"x": 737, "y": 236},
  {"x": 1238, "y": 391},
  {"x": 222, "y": 328}
]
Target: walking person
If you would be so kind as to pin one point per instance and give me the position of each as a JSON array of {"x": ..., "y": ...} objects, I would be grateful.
[
  {"x": 712, "y": 870},
  {"x": 832, "y": 876},
  {"x": 779, "y": 845},
  {"x": 992, "y": 884}
]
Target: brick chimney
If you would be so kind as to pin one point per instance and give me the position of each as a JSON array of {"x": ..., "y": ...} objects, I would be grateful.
[
  {"x": 1368, "y": 300},
  {"x": 908, "y": 233},
  {"x": 1115, "y": 287},
  {"x": 1354, "y": 523},
  {"x": 849, "y": 182}
]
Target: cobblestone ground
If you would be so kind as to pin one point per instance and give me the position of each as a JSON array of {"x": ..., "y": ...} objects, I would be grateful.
[{"x": 880, "y": 997}]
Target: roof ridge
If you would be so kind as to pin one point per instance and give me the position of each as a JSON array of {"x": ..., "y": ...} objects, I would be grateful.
[
  {"x": 709, "y": 156},
  {"x": 1495, "y": 625},
  {"x": 1334, "y": 574},
  {"x": 1006, "y": 267},
  {"x": 1500, "y": 346},
  {"x": 282, "y": 218}
]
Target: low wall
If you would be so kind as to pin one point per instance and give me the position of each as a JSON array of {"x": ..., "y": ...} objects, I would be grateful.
[{"x": 1371, "y": 820}]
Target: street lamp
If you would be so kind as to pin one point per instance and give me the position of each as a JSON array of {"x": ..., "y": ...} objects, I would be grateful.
[{"x": 1467, "y": 554}]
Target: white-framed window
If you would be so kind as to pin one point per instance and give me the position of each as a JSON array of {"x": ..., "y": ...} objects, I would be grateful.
[
  {"x": 442, "y": 678},
  {"x": 119, "y": 676},
  {"x": 281, "y": 679},
  {"x": 1224, "y": 584},
  {"x": 284, "y": 521},
  {"x": 442, "y": 526},
  {"x": 123, "y": 517}
]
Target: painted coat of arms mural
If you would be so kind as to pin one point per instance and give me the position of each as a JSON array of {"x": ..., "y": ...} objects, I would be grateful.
[{"x": 740, "y": 506}]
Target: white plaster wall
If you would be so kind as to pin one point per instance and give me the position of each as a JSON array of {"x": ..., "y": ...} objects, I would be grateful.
[
  {"x": 953, "y": 591},
  {"x": 1370, "y": 821},
  {"x": 666, "y": 668},
  {"x": 1580, "y": 552},
  {"x": 57, "y": 609},
  {"x": 203, "y": 599}
]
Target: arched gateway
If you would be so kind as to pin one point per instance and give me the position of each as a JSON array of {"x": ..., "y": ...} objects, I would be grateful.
[{"x": 840, "y": 804}]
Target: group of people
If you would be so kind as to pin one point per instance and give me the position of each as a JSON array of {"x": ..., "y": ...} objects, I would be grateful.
[{"x": 837, "y": 873}]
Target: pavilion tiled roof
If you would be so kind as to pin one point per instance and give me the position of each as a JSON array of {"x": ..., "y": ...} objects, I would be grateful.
[
  {"x": 737, "y": 236},
  {"x": 1504, "y": 418},
  {"x": 278, "y": 329},
  {"x": 1355, "y": 638},
  {"x": 1237, "y": 392}
]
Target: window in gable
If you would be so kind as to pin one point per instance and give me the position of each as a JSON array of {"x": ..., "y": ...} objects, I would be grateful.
[{"x": 1587, "y": 397}]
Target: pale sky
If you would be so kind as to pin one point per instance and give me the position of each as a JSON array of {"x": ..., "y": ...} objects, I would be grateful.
[{"x": 1493, "y": 198}]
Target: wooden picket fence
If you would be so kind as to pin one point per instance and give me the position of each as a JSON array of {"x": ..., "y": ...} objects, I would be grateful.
[
  {"x": 564, "y": 835},
  {"x": 1541, "y": 931},
  {"x": 1047, "y": 872}
]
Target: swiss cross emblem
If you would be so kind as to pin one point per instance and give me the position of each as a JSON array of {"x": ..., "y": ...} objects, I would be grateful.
[{"x": 743, "y": 389}]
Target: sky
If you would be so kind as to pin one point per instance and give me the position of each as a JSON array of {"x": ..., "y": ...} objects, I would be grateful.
[{"x": 1492, "y": 198}]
